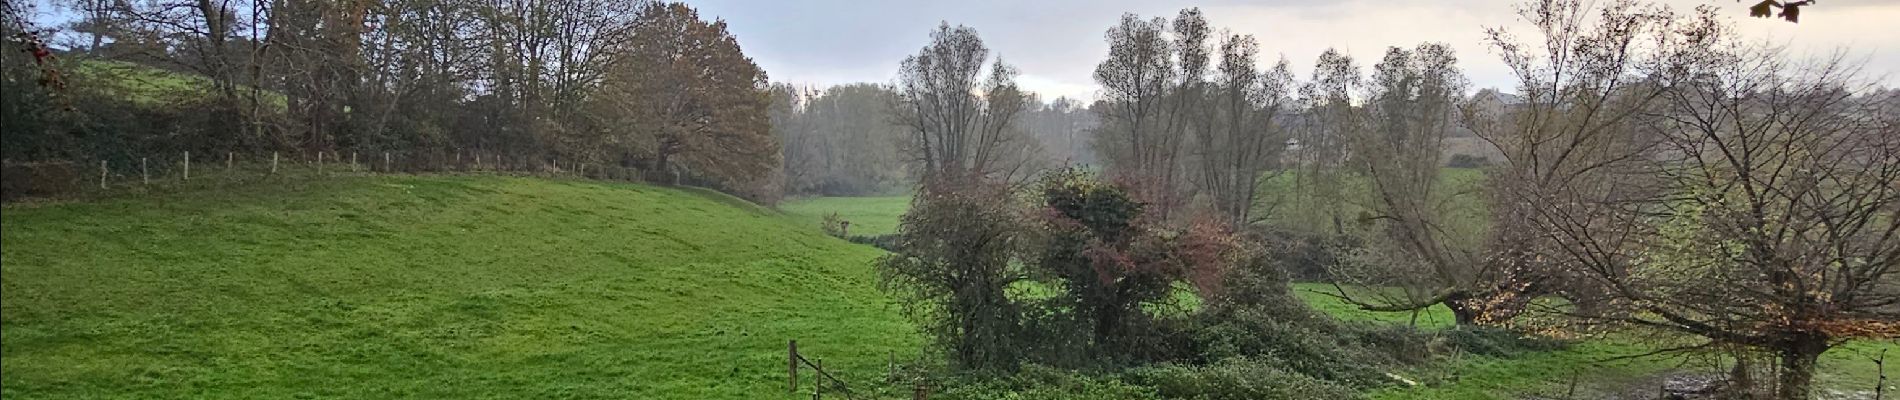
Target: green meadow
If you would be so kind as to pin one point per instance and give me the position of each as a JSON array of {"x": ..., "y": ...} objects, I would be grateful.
[{"x": 431, "y": 287}]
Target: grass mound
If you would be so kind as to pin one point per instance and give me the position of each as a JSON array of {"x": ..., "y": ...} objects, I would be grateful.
[{"x": 431, "y": 287}]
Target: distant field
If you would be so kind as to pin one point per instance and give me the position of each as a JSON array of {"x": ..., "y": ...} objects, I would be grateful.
[
  {"x": 431, "y": 287},
  {"x": 868, "y": 215},
  {"x": 148, "y": 86}
]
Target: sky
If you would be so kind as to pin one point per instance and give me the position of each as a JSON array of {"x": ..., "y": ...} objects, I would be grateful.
[{"x": 1056, "y": 44}]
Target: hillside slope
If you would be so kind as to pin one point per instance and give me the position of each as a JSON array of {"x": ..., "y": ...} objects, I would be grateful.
[{"x": 431, "y": 287}]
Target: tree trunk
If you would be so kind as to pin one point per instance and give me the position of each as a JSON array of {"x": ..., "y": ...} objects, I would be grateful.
[
  {"x": 1461, "y": 311},
  {"x": 1798, "y": 358}
]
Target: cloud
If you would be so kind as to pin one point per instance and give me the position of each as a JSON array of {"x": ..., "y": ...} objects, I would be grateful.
[{"x": 1056, "y": 44}]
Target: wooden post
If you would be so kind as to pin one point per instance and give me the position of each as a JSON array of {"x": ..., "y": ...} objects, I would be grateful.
[
  {"x": 353, "y": 166},
  {"x": 145, "y": 175},
  {"x": 273, "y": 163},
  {"x": 188, "y": 165},
  {"x": 319, "y": 163},
  {"x": 386, "y": 166},
  {"x": 791, "y": 358},
  {"x": 228, "y": 158},
  {"x": 1880, "y": 369},
  {"x": 102, "y": 174},
  {"x": 818, "y": 380}
]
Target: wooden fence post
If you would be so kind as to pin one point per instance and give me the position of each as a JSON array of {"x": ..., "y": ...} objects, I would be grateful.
[
  {"x": 228, "y": 158},
  {"x": 1880, "y": 369},
  {"x": 386, "y": 166},
  {"x": 102, "y": 174},
  {"x": 818, "y": 381},
  {"x": 791, "y": 362},
  {"x": 273, "y": 163},
  {"x": 188, "y": 165},
  {"x": 145, "y": 175}
]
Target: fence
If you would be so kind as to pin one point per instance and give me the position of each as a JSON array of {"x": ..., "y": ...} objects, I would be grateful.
[
  {"x": 823, "y": 377},
  {"x": 186, "y": 170}
]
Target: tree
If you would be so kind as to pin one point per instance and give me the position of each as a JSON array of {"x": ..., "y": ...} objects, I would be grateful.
[
  {"x": 693, "y": 102},
  {"x": 953, "y": 265},
  {"x": 839, "y": 141},
  {"x": 1241, "y": 137},
  {"x": 1395, "y": 141},
  {"x": 1710, "y": 189},
  {"x": 961, "y": 125},
  {"x": 1151, "y": 81}
]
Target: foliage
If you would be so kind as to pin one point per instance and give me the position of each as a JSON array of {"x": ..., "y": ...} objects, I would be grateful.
[
  {"x": 1035, "y": 382},
  {"x": 1094, "y": 241},
  {"x": 953, "y": 265},
  {"x": 1237, "y": 379},
  {"x": 688, "y": 96},
  {"x": 962, "y": 122},
  {"x": 840, "y": 141},
  {"x": 1467, "y": 161}
]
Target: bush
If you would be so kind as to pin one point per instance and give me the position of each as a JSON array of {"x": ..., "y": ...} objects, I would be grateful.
[
  {"x": 1468, "y": 161},
  {"x": 1498, "y": 342},
  {"x": 1237, "y": 379},
  {"x": 1040, "y": 383},
  {"x": 41, "y": 179},
  {"x": 886, "y": 242}
]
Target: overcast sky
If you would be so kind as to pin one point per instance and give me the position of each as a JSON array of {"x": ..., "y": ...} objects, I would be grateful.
[{"x": 1056, "y": 44}]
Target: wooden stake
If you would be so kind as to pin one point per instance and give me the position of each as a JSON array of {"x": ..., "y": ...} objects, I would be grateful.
[
  {"x": 188, "y": 165},
  {"x": 353, "y": 166},
  {"x": 386, "y": 166},
  {"x": 145, "y": 175},
  {"x": 792, "y": 363},
  {"x": 228, "y": 158},
  {"x": 319, "y": 163},
  {"x": 102, "y": 174},
  {"x": 273, "y": 163}
]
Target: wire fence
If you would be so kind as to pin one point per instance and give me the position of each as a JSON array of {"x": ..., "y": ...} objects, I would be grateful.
[{"x": 158, "y": 173}]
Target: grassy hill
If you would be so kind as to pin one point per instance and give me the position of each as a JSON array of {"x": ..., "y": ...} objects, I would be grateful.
[{"x": 431, "y": 287}]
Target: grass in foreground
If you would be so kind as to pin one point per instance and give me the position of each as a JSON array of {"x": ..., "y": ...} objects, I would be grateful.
[{"x": 430, "y": 287}]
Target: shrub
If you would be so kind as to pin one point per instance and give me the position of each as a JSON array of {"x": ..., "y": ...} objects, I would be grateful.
[
  {"x": 1498, "y": 342},
  {"x": 41, "y": 179},
  {"x": 886, "y": 242},
  {"x": 1237, "y": 379},
  {"x": 1039, "y": 383},
  {"x": 1468, "y": 161}
]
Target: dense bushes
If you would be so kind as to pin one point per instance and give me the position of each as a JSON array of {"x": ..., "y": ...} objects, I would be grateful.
[{"x": 1237, "y": 379}]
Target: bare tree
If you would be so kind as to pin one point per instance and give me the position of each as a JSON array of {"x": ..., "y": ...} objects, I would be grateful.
[
  {"x": 960, "y": 119},
  {"x": 1710, "y": 189},
  {"x": 1242, "y": 136}
]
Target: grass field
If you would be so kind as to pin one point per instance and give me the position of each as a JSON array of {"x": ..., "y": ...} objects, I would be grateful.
[
  {"x": 869, "y": 216},
  {"x": 148, "y": 86},
  {"x": 430, "y": 287}
]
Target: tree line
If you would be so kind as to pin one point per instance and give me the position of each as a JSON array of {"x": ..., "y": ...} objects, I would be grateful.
[{"x": 634, "y": 84}]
